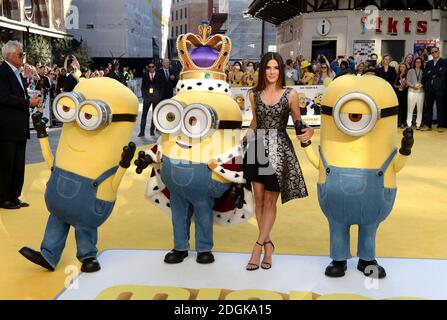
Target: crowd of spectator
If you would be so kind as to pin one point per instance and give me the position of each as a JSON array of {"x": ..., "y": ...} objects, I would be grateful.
[{"x": 418, "y": 80}]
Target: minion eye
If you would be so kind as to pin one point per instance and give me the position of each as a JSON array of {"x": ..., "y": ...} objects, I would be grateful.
[
  {"x": 170, "y": 117},
  {"x": 65, "y": 104},
  {"x": 64, "y": 113},
  {"x": 355, "y": 124},
  {"x": 198, "y": 120},
  {"x": 355, "y": 121},
  {"x": 355, "y": 117},
  {"x": 93, "y": 115},
  {"x": 167, "y": 116},
  {"x": 88, "y": 120}
]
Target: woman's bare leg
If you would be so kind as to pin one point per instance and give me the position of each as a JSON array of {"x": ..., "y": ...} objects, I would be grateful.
[
  {"x": 258, "y": 190},
  {"x": 268, "y": 220}
]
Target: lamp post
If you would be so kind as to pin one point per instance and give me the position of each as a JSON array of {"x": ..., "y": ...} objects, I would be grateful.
[{"x": 262, "y": 38}]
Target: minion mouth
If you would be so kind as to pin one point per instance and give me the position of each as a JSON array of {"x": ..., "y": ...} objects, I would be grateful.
[{"x": 183, "y": 145}]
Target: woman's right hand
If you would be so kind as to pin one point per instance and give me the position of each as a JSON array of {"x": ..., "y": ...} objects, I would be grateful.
[{"x": 307, "y": 135}]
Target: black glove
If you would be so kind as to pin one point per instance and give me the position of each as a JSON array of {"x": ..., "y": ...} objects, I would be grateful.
[
  {"x": 143, "y": 161},
  {"x": 238, "y": 195},
  {"x": 407, "y": 142},
  {"x": 40, "y": 124},
  {"x": 299, "y": 126},
  {"x": 127, "y": 155}
]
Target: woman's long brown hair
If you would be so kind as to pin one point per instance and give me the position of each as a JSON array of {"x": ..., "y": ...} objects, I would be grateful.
[{"x": 262, "y": 82}]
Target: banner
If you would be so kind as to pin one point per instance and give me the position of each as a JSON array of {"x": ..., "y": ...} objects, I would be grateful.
[
  {"x": 363, "y": 49},
  {"x": 309, "y": 101},
  {"x": 422, "y": 44}
]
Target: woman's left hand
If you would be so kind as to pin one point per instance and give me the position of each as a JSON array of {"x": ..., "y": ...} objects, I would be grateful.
[{"x": 307, "y": 135}]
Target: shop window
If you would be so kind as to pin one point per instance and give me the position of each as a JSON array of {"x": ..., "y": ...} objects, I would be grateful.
[
  {"x": 11, "y": 9},
  {"x": 58, "y": 14},
  {"x": 395, "y": 48},
  {"x": 325, "y": 48},
  {"x": 36, "y": 11}
]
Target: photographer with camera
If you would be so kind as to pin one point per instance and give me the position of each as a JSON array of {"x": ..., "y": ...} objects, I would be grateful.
[{"x": 73, "y": 67}]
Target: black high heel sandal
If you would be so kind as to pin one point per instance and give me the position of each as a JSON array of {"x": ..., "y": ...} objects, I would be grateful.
[
  {"x": 267, "y": 265},
  {"x": 253, "y": 266}
]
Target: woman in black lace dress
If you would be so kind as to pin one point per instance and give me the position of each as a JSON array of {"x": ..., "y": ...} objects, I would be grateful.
[{"x": 271, "y": 163}]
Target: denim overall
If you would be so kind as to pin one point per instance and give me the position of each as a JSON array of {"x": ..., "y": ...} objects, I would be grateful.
[
  {"x": 71, "y": 201},
  {"x": 355, "y": 196},
  {"x": 192, "y": 190}
]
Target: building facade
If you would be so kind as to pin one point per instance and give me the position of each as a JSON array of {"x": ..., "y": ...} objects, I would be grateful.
[
  {"x": 120, "y": 28},
  {"x": 356, "y": 27},
  {"x": 397, "y": 33},
  {"x": 226, "y": 17},
  {"x": 20, "y": 18},
  {"x": 250, "y": 37},
  {"x": 185, "y": 17}
]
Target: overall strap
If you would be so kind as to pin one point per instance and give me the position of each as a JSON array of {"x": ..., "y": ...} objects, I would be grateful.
[
  {"x": 325, "y": 163},
  {"x": 54, "y": 162},
  {"x": 387, "y": 163},
  {"x": 105, "y": 176}
]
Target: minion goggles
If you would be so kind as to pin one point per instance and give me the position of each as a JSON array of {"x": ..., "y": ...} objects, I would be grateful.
[
  {"x": 195, "y": 120},
  {"x": 85, "y": 120},
  {"x": 357, "y": 124}
]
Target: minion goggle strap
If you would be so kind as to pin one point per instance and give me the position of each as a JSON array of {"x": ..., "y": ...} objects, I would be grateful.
[
  {"x": 89, "y": 114},
  {"x": 357, "y": 124},
  {"x": 195, "y": 120}
]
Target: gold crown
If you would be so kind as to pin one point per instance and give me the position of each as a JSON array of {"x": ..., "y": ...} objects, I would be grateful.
[{"x": 189, "y": 41}]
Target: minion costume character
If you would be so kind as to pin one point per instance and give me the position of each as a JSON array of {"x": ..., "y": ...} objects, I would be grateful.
[
  {"x": 98, "y": 118},
  {"x": 197, "y": 163},
  {"x": 358, "y": 166}
]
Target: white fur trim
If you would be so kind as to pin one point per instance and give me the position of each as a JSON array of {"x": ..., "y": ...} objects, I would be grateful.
[
  {"x": 229, "y": 155},
  {"x": 233, "y": 176},
  {"x": 236, "y": 216},
  {"x": 205, "y": 85},
  {"x": 152, "y": 155},
  {"x": 230, "y": 218}
]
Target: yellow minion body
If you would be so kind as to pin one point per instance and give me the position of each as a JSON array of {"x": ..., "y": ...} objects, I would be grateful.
[
  {"x": 90, "y": 153},
  {"x": 203, "y": 150},
  {"x": 367, "y": 151}
]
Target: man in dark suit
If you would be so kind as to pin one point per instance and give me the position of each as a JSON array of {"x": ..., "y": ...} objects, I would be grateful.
[
  {"x": 434, "y": 81},
  {"x": 152, "y": 92},
  {"x": 169, "y": 78},
  {"x": 14, "y": 125},
  {"x": 116, "y": 74}
]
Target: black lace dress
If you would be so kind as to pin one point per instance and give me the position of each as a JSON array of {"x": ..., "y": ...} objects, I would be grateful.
[{"x": 270, "y": 158}]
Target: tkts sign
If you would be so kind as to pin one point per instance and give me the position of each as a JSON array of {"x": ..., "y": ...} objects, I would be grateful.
[{"x": 393, "y": 26}]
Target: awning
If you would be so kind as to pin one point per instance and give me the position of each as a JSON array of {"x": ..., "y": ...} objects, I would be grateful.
[
  {"x": 48, "y": 32},
  {"x": 32, "y": 28},
  {"x": 274, "y": 12},
  {"x": 11, "y": 24}
]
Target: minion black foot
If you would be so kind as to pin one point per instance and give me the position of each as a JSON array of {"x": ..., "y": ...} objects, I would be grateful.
[
  {"x": 35, "y": 257},
  {"x": 174, "y": 256},
  {"x": 336, "y": 269},
  {"x": 371, "y": 269},
  {"x": 90, "y": 265},
  {"x": 205, "y": 257}
]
